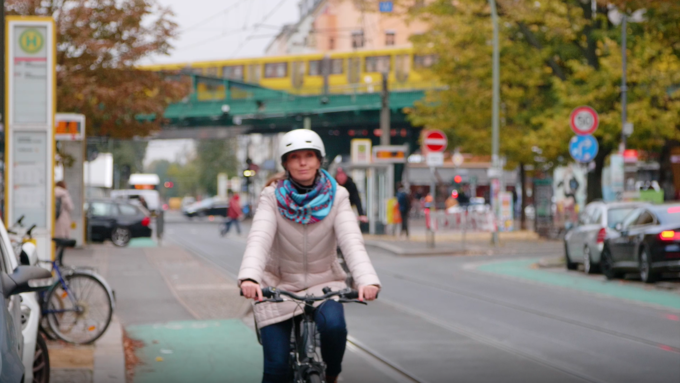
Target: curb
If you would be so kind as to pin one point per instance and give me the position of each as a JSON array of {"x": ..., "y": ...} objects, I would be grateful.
[
  {"x": 109, "y": 356},
  {"x": 395, "y": 249}
]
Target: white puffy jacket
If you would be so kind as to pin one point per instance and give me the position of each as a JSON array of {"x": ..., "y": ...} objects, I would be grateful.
[{"x": 303, "y": 258}]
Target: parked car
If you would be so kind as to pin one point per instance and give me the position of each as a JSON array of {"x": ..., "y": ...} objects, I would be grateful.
[
  {"x": 14, "y": 280},
  {"x": 584, "y": 243},
  {"x": 117, "y": 221},
  {"x": 151, "y": 197},
  {"x": 209, "y": 206},
  {"x": 647, "y": 242}
]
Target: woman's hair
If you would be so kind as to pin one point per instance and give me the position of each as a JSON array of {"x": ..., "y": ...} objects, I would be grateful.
[
  {"x": 61, "y": 184},
  {"x": 275, "y": 178}
]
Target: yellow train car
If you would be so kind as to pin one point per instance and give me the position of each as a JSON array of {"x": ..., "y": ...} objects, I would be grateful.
[{"x": 349, "y": 72}]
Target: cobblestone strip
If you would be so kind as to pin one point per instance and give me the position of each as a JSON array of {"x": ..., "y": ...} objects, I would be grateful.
[{"x": 205, "y": 292}]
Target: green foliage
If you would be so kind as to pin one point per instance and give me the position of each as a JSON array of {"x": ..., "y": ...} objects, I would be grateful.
[
  {"x": 198, "y": 176},
  {"x": 554, "y": 56}
]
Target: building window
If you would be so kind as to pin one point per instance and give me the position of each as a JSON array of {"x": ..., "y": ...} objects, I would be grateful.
[
  {"x": 377, "y": 64},
  {"x": 233, "y": 72},
  {"x": 424, "y": 61},
  {"x": 212, "y": 72},
  {"x": 389, "y": 38},
  {"x": 275, "y": 70},
  {"x": 331, "y": 44},
  {"x": 358, "y": 39}
]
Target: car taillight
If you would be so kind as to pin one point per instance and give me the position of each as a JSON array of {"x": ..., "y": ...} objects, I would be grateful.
[
  {"x": 146, "y": 221},
  {"x": 669, "y": 235},
  {"x": 601, "y": 235}
]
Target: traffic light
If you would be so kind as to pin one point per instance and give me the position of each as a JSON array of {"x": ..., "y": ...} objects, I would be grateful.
[
  {"x": 458, "y": 179},
  {"x": 169, "y": 184}
]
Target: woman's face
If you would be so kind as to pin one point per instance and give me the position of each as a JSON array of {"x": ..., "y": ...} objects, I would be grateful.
[{"x": 302, "y": 166}]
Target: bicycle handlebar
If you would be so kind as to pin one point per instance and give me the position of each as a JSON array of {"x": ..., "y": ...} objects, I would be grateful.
[
  {"x": 28, "y": 232},
  {"x": 274, "y": 295}
]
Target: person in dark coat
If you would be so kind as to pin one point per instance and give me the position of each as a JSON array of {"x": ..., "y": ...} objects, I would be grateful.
[
  {"x": 404, "y": 201},
  {"x": 348, "y": 183}
]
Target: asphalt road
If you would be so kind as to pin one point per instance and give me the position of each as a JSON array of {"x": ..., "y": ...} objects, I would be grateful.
[{"x": 492, "y": 319}]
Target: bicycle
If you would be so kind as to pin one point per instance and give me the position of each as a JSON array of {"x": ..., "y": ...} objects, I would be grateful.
[
  {"x": 307, "y": 366},
  {"x": 79, "y": 306}
]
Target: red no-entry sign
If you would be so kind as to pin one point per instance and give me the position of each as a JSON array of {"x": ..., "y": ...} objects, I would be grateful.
[
  {"x": 584, "y": 120},
  {"x": 435, "y": 141}
]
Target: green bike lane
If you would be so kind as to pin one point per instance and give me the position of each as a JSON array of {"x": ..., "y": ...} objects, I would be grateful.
[{"x": 633, "y": 292}]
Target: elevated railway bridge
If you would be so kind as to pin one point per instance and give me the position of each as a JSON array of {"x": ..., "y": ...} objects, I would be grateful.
[{"x": 220, "y": 108}]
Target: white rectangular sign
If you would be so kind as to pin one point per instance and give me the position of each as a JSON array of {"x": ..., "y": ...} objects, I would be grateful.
[{"x": 435, "y": 159}]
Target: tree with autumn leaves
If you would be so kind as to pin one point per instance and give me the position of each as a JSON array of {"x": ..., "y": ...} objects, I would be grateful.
[
  {"x": 555, "y": 55},
  {"x": 99, "y": 42}
]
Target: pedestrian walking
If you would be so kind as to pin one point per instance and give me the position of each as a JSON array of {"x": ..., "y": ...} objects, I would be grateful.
[
  {"x": 347, "y": 182},
  {"x": 234, "y": 214},
  {"x": 63, "y": 206},
  {"x": 291, "y": 246},
  {"x": 404, "y": 201}
]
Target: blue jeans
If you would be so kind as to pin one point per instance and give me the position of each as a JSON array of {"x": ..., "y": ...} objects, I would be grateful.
[
  {"x": 330, "y": 320},
  {"x": 227, "y": 225}
]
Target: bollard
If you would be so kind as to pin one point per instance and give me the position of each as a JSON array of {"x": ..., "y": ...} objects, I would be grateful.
[{"x": 160, "y": 225}]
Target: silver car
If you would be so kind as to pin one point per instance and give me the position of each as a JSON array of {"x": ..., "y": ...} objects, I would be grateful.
[{"x": 584, "y": 243}]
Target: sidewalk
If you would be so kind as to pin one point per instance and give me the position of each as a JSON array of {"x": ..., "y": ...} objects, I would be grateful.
[
  {"x": 459, "y": 243},
  {"x": 175, "y": 313}
]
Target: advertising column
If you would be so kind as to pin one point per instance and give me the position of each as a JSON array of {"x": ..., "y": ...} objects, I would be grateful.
[{"x": 29, "y": 141}]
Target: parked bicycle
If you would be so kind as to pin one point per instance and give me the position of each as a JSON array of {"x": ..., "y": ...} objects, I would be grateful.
[
  {"x": 307, "y": 365},
  {"x": 79, "y": 305}
]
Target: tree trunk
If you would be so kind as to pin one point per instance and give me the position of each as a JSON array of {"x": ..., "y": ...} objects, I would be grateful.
[
  {"x": 595, "y": 177},
  {"x": 523, "y": 180}
]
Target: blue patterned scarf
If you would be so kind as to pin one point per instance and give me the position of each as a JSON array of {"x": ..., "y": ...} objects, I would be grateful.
[{"x": 306, "y": 208}]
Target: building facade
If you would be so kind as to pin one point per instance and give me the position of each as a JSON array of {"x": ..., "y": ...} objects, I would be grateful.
[{"x": 344, "y": 25}]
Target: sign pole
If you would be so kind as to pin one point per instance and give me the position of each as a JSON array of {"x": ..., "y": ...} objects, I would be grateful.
[{"x": 495, "y": 141}]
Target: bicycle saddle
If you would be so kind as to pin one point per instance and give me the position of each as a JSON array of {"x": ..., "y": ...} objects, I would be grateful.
[{"x": 64, "y": 242}]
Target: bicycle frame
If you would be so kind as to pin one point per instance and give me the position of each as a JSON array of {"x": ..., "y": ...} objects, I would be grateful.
[
  {"x": 304, "y": 359},
  {"x": 303, "y": 355}
]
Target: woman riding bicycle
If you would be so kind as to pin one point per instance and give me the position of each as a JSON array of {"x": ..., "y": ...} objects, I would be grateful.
[{"x": 292, "y": 246}]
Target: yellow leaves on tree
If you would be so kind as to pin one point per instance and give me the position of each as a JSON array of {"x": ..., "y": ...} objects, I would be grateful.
[{"x": 98, "y": 44}]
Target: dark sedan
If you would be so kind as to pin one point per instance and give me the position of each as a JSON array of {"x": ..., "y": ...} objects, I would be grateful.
[
  {"x": 117, "y": 221},
  {"x": 647, "y": 242}
]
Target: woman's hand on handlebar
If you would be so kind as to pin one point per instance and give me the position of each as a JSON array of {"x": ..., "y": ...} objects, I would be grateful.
[
  {"x": 251, "y": 290},
  {"x": 368, "y": 293}
]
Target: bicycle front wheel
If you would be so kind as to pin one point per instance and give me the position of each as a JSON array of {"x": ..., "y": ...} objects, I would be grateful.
[
  {"x": 314, "y": 378},
  {"x": 80, "y": 309}
]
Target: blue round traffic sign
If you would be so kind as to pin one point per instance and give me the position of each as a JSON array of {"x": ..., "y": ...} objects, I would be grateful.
[{"x": 583, "y": 148}]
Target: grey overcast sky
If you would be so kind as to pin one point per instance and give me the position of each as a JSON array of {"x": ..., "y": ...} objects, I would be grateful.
[
  {"x": 223, "y": 29},
  {"x": 218, "y": 29}
]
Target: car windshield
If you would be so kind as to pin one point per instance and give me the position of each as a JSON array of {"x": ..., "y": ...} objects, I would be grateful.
[
  {"x": 615, "y": 216},
  {"x": 668, "y": 214}
]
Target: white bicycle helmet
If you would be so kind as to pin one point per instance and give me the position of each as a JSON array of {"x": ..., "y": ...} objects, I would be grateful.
[{"x": 300, "y": 139}]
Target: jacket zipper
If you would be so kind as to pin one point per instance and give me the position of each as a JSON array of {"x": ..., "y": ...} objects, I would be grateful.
[{"x": 304, "y": 253}]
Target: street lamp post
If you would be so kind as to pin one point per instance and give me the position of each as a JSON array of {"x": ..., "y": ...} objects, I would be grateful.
[{"x": 495, "y": 163}]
